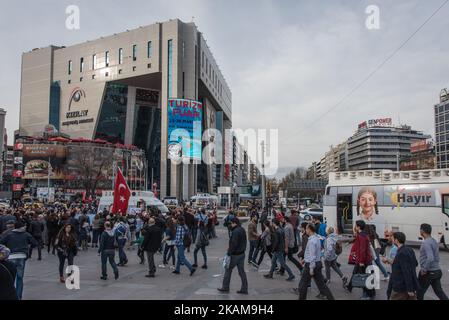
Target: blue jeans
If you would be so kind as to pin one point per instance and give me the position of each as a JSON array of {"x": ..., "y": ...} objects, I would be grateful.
[
  {"x": 20, "y": 265},
  {"x": 253, "y": 250},
  {"x": 203, "y": 251},
  {"x": 121, "y": 252},
  {"x": 182, "y": 259},
  {"x": 105, "y": 256},
  {"x": 381, "y": 266},
  {"x": 279, "y": 256}
]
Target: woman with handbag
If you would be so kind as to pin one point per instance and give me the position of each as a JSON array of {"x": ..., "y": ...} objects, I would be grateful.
[
  {"x": 361, "y": 257},
  {"x": 202, "y": 241},
  {"x": 67, "y": 248}
]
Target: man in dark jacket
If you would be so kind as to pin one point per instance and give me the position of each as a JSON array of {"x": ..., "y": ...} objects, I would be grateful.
[
  {"x": 236, "y": 252},
  {"x": 107, "y": 251},
  {"x": 7, "y": 275},
  {"x": 18, "y": 241},
  {"x": 404, "y": 282},
  {"x": 4, "y": 218},
  {"x": 151, "y": 244},
  {"x": 36, "y": 229},
  {"x": 278, "y": 247}
]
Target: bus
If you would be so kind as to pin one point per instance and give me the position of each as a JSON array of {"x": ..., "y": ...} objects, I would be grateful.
[
  {"x": 139, "y": 200},
  {"x": 396, "y": 201}
]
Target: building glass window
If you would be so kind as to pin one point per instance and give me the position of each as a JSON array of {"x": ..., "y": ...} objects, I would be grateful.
[
  {"x": 135, "y": 52},
  {"x": 147, "y": 132},
  {"x": 202, "y": 59},
  {"x": 81, "y": 64},
  {"x": 94, "y": 62},
  {"x": 70, "y": 67},
  {"x": 120, "y": 56},
  {"x": 111, "y": 123},
  {"x": 106, "y": 58},
  {"x": 170, "y": 67},
  {"x": 149, "y": 49},
  {"x": 55, "y": 95}
]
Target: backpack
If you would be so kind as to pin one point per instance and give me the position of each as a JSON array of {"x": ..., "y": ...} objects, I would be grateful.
[
  {"x": 338, "y": 247},
  {"x": 121, "y": 230},
  {"x": 187, "y": 237}
]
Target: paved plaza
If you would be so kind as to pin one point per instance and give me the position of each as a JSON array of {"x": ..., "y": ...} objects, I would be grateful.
[{"x": 42, "y": 279}]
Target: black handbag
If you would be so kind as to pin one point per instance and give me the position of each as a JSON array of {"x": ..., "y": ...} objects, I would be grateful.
[{"x": 358, "y": 280}]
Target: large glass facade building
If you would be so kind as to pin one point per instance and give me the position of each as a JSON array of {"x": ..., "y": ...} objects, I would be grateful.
[{"x": 116, "y": 89}]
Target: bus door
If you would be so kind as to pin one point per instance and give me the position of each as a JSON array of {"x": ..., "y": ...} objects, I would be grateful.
[
  {"x": 344, "y": 213},
  {"x": 445, "y": 218}
]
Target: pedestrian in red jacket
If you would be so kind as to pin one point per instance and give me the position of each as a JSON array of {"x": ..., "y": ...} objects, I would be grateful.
[{"x": 361, "y": 257}]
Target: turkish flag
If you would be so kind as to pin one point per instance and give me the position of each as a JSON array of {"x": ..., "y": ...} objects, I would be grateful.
[{"x": 121, "y": 194}]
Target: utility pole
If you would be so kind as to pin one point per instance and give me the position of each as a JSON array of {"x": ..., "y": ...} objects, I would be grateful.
[
  {"x": 263, "y": 176},
  {"x": 48, "y": 180}
]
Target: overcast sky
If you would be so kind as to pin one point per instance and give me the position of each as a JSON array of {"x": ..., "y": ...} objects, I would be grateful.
[{"x": 286, "y": 62}]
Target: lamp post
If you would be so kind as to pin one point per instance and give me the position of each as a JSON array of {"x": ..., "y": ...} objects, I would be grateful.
[{"x": 263, "y": 176}]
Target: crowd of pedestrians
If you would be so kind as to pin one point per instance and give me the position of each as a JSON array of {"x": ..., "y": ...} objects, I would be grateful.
[{"x": 303, "y": 250}]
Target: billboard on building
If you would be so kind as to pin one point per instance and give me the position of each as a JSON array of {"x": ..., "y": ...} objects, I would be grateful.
[
  {"x": 420, "y": 146},
  {"x": 44, "y": 160},
  {"x": 184, "y": 128}
]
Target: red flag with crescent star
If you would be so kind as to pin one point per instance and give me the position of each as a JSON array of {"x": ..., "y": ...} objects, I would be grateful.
[{"x": 121, "y": 194}]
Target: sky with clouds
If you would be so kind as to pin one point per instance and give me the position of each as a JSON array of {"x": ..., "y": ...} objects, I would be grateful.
[{"x": 288, "y": 63}]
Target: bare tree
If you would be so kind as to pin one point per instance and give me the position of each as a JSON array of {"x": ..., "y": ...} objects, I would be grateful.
[{"x": 92, "y": 166}]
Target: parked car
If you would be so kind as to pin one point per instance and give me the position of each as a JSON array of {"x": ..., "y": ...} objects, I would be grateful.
[{"x": 307, "y": 214}]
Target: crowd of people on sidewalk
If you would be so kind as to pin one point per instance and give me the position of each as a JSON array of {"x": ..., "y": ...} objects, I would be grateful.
[
  {"x": 310, "y": 247},
  {"x": 65, "y": 231}
]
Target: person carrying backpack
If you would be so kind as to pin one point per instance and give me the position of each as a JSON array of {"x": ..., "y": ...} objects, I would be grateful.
[
  {"x": 332, "y": 249},
  {"x": 121, "y": 231},
  {"x": 108, "y": 241},
  {"x": 183, "y": 239}
]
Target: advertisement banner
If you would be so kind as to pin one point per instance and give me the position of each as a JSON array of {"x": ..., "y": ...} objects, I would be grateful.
[
  {"x": 36, "y": 160},
  {"x": 18, "y": 146},
  {"x": 17, "y": 173},
  {"x": 184, "y": 129},
  {"x": 17, "y": 187}
]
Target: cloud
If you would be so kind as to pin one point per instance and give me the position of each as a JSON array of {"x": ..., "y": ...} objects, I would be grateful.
[{"x": 287, "y": 62}]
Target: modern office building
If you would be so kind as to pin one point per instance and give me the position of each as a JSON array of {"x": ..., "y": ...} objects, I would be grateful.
[
  {"x": 442, "y": 130},
  {"x": 117, "y": 89},
  {"x": 378, "y": 144}
]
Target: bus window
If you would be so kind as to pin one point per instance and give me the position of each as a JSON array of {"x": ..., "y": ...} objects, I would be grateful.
[
  {"x": 446, "y": 204},
  {"x": 327, "y": 190}
]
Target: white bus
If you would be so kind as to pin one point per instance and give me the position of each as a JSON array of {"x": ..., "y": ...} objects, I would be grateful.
[
  {"x": 138, "y": 201},
  {"x": 397, "y": 201}
]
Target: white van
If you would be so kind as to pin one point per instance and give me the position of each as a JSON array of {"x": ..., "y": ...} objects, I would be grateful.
[
  {"x": 203, "y": 199},
  {"x": 397, "y": 201},
  {"x": 138, "y": 201}
]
